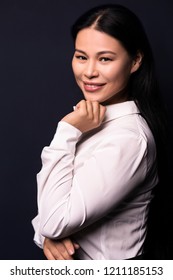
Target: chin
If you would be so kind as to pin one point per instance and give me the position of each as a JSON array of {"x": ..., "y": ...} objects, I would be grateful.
[{"x": 92, "y": 98}]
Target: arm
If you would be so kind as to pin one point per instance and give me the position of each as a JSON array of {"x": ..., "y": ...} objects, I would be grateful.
[
  {"x": 86, "y": 117},
  {"x": 69, "y": 202}
]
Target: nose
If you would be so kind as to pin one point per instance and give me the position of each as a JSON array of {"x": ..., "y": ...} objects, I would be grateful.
[{"x": 90, "y": 70}]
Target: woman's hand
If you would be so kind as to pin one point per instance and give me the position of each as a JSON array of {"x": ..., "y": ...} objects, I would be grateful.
[
  {"x": 86, "y": 116},
  {"x": 59, "y": 249}
]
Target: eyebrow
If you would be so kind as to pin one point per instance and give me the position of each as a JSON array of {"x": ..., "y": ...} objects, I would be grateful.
[{"x": 99, "y": 53}]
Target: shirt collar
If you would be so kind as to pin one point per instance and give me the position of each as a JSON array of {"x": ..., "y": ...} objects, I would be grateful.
[{"x": 118, "y": 110}]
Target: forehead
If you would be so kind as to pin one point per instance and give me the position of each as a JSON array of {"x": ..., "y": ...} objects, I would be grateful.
[{"x": 92, "y": 39}]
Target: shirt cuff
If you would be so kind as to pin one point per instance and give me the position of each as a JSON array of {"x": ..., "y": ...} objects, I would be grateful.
[
  {"x": 66, "y": 136},
  {"x": 38, "y": 238}
]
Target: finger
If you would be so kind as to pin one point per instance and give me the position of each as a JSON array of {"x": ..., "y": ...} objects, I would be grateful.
[
  {"x": 96, "y": 111},
  {"x": 102, "y": 112},
  {"x": 55, "y": 254},
  {"x": 62, "y": 252},
  {"x": 69, "y": 246},
  {"x": 89, "y": 107},
  {"x": 48, "y": 255},
  {"x": 55, "y": 248},
  {"x": 82, "y": 108},
  {"x": 80, "y": 104},
  {"x": 76, "y": 246}
]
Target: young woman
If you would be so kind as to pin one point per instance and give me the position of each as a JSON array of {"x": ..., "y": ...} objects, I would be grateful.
[{"x": 102, "y": 166}]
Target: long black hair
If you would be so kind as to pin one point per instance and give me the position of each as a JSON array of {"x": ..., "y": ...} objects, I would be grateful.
[{"x": 122, "y": 24}]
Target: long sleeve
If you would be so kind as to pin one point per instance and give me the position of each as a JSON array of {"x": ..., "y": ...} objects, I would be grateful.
[{"x": 68, "y": 199}]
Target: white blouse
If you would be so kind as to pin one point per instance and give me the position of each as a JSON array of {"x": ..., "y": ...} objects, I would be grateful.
[{"x": 96, "y": 187}]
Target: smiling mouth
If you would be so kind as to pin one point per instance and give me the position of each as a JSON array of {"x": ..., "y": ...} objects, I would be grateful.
[{"x": 93, "y": 86}]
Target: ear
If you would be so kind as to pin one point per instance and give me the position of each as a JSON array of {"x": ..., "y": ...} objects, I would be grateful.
[{"x": 137, "y": 61}]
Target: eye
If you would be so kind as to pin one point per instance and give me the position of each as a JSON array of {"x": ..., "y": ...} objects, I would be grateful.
[
  {"x": 105, "y": 59},
  {"x": 81, "y": 57}
]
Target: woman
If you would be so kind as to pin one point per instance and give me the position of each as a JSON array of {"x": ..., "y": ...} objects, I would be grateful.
[{"x": 100, "y": 171}]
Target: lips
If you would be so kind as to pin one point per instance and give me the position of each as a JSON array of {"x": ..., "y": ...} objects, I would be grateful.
[{"x": 93, "y": 86}]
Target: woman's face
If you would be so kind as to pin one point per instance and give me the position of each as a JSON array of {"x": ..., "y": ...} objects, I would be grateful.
[{"x": 101, "y": 66}]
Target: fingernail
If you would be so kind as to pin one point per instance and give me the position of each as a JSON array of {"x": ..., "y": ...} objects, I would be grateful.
[
  {"x": 71, "y": 251},
  {"x": 77, "y": 246}
]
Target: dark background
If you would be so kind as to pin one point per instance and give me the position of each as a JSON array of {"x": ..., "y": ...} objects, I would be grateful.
[{"x": 37, "y": 89}]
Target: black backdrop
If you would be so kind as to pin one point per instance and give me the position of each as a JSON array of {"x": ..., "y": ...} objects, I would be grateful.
[{"x": 37, "y": 89}]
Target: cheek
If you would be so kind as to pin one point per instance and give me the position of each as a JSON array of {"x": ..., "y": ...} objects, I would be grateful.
[
  {"x": 73, "y": 67},
  {"x": 76, "y": 69},
  {"x": 120, "y": 73}
]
